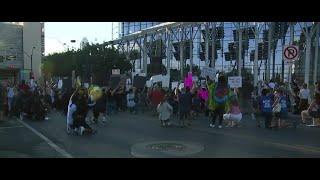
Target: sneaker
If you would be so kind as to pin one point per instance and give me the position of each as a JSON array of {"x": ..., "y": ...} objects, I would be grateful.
[
  {"x": 219, "y": 126},
  {"x": 212, "y": 125},
  {"x": 81, "y": 130},
  {"x": 46, "y": 118}
]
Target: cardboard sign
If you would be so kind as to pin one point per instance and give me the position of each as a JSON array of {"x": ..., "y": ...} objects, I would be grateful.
[
  {"x": 235, "y": 81},
  {"x": 156, "y": 78},
  {"x": 148, "y": 84},
  {"x": 86, "y": 85},
  {"x": 181, "y": 86},
  {"x": 139, "y": 81},
  {"x": 174, "y": 84},
  {"x": 165, "y": 81},
  {"x": 60, "y": 83},
  {"x": 207, "y": 71},
  {"x": 115, "y": 71}
]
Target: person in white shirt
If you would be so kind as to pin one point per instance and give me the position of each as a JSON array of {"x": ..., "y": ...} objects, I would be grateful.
[
  {"x": 71, "y": 109},
  {"x": 10, "y": 96},
  {"x": 130, "y": 101},
  {"x": 304, "y": 96},
  {"x": 165, "y": 110}
]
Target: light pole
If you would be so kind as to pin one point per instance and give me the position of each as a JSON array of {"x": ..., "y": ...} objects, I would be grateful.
[
  {"x": 73, "y": 74},
  {"x": 31, "y": 57}
]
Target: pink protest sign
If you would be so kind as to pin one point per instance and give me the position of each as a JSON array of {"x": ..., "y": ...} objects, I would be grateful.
[
  {"x": 188, "y": 80},
  {"x": 203, "y": 94}
]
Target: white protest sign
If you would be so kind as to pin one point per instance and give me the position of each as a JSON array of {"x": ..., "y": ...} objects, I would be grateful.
[
  {"x": 142, "y": 74},
  {"x": 174, "y": 84},
  {"x": 235, "y": 81},
  {"x": 195, "y": 78},
  {"x": 181, "y": 86},
  {"x": 148, "y": 84},
  {"x": 207, "y": 71},
  {"x": 60, "y": 84},
  {"x": 115, "y": 71},
  {"x": 86, "y": 85},
  {"x": 156, "y": 78},
  {"x": 165, "y": 81}
]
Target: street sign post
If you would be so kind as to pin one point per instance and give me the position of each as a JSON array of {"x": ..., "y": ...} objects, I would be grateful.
[{"x": 290, "y": 53}]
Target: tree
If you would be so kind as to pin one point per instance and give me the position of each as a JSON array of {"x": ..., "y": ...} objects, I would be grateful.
[{"x": 93, "y": 60}]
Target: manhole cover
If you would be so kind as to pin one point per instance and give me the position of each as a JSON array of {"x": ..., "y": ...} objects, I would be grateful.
[
  {"x": 165, "y": 149},
  {"x": 12, "y": 154}
]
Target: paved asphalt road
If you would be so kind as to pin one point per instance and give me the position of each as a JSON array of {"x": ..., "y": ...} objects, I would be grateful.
[{"x": 115, "y": 138}]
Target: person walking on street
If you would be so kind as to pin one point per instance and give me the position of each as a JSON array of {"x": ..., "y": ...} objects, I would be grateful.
[
  {"x": 165, "y": 110},
  {"x": 304, "y": 95},
  {"x": 219, "y": 95},
  {"x": 265, "y": 104},
  {"x": 185, "y": 104},
  {"x": 10, "y": 96}
]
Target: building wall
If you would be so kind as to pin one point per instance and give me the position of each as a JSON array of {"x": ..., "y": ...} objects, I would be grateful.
[
  {"x": 11, "y": 45},
  {"x": 32, "y": 32},
  {"x": 221, "y": 64}
]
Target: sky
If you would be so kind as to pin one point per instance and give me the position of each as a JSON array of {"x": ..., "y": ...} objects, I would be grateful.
[{"x": 58, "y": 33}]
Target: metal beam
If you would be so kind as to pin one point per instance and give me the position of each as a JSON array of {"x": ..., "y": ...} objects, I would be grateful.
[
  {"x": 213, "y": 37},
  {"x": 206, "y": 43},
  {"x": 269, "y": 52},
  {"x": 168, "y": 51},
  {"x": 316, "y": 54},
  {"x": 154, "y": 30},
  {"x": 240, "y": 51},
  {"x": 181, "y": 59},
  {"x": 191, "y": 48},
  {"x": 145, "y": 55},
  {"x": 255, "y": 63}
]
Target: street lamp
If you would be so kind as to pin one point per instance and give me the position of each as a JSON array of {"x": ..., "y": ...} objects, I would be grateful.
[
  {"x": 31, "y": 56},
  {"x": 73, "y": 72}
]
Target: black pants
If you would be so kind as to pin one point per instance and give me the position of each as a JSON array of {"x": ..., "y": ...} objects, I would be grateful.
[
  {"x": 81, "y": 122},
  {"x": 219, "y": 111},
  {"x": 184, "y": 115},
  {"x": 267, "y": 119}
]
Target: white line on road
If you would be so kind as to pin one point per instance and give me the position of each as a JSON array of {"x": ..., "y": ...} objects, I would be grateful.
[
  {"x": 50, "y": 143},
  {"x": 9, "y": 127}
]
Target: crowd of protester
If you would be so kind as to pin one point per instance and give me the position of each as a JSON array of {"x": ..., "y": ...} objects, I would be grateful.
[{"x": 214, "y": 98}]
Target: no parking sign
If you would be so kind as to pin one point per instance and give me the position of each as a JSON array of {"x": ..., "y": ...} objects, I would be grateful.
[{"x": 290, "y": 53}]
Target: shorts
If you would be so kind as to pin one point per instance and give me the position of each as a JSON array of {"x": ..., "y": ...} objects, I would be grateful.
[{"x": 232, "y": 117}]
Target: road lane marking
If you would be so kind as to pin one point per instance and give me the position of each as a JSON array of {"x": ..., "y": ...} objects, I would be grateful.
[
  {"x": 9, "y": 127},
  {"x": 50, "y": 143}
]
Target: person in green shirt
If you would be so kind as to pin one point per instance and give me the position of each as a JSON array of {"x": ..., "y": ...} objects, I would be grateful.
[{"x": 219, "y": 99}]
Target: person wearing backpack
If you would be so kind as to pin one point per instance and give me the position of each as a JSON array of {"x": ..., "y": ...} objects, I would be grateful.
[{"x": 219, "y": 99}]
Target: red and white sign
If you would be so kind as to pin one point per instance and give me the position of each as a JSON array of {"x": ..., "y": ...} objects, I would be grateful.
[{"x": 290, "y": 53}]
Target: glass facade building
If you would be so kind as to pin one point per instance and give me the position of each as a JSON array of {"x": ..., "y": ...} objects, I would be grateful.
[{"x": 229, "y": 41}]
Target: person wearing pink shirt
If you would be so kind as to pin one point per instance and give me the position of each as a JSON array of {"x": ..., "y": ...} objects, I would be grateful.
[
  {"x": 203, "y": 94},
  {"x": 234, "y": 116}
]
